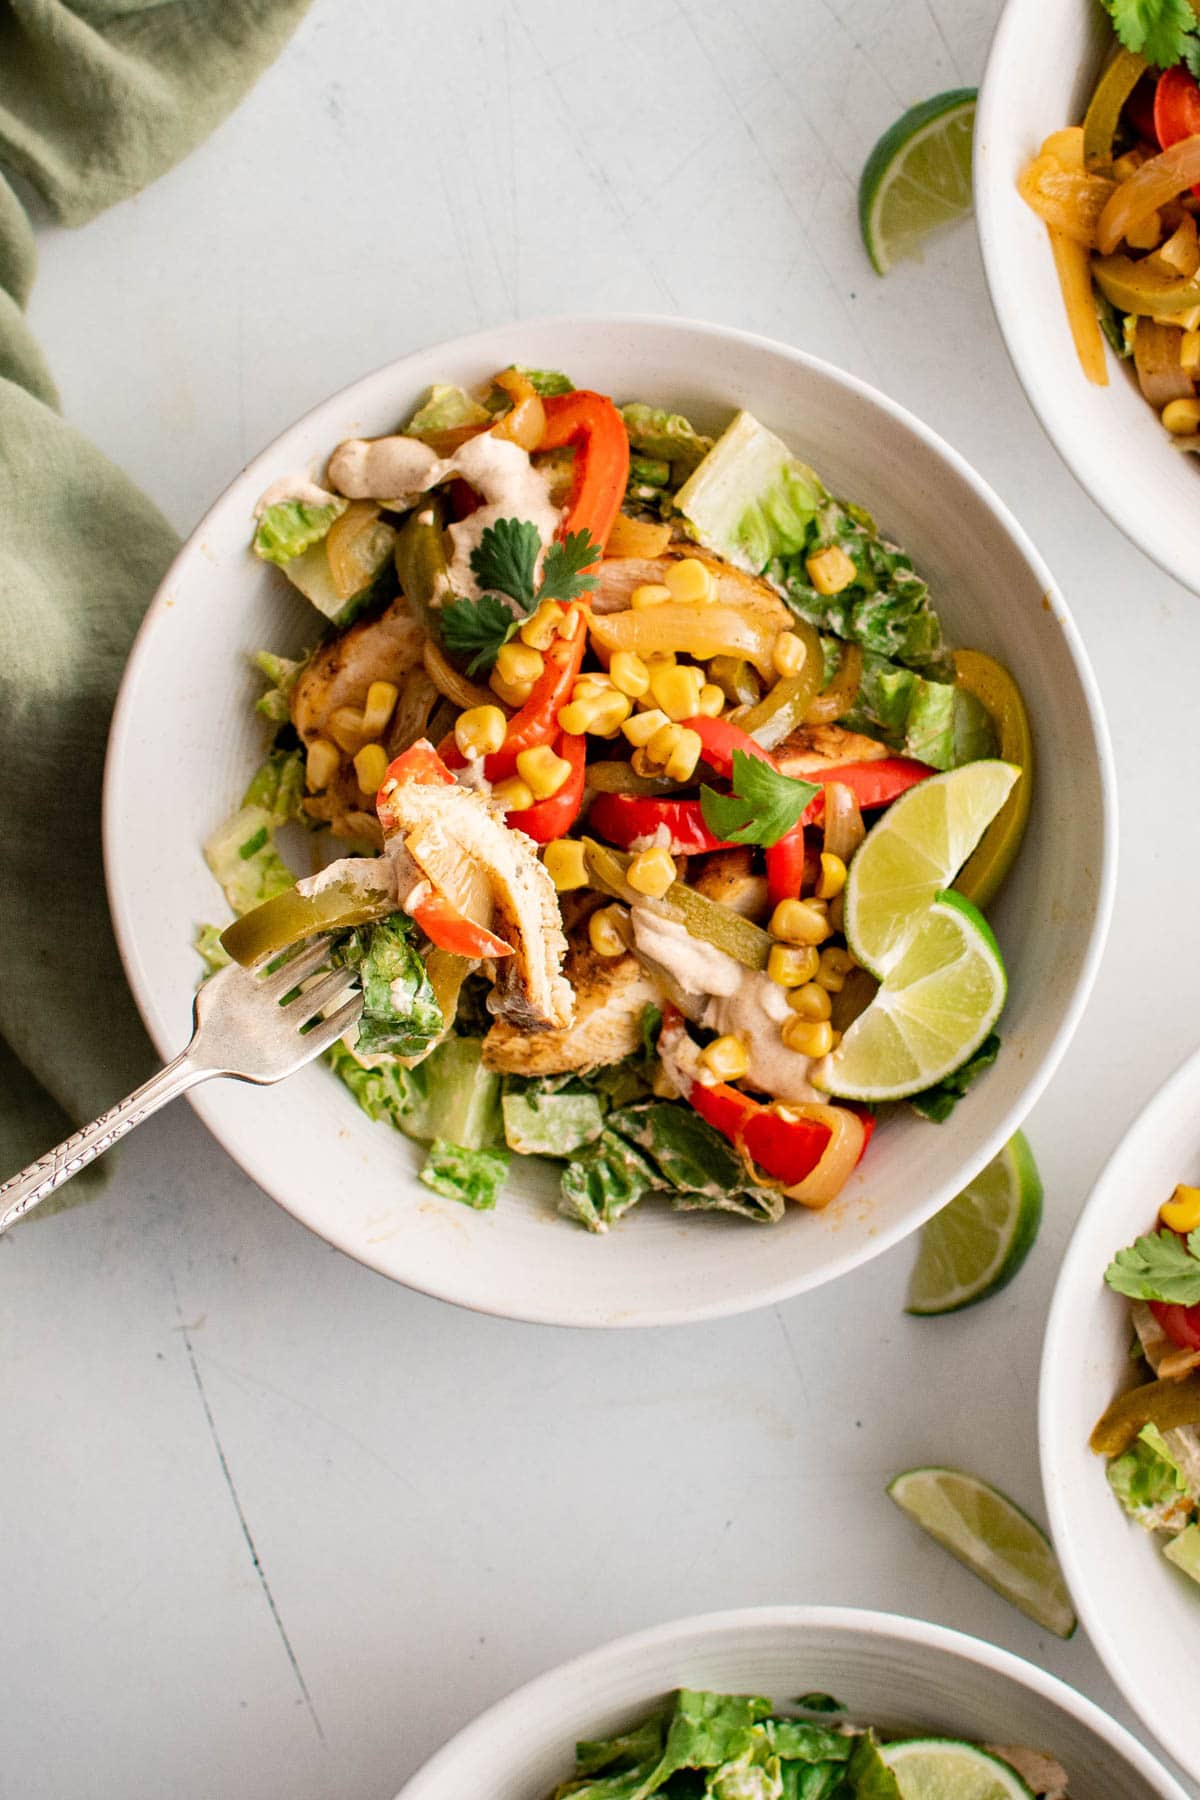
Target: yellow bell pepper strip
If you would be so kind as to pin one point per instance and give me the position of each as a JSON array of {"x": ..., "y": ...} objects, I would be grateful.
[
  {"x": 1161, "y": 179},
  {"x": 1073, "y": 265},
  {"x": 718, "y": 925},
  {"x": 1106, "y": 105},
  {"x": 1167, "y": 1404},
  {"x": 999, "y": 695},
  {"x": 291, "y": 917},
  {"x": 1134, "y": 287}
]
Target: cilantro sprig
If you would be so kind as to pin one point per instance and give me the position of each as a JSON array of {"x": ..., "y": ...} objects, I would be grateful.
[
  {"x": 1158, "y": 1267},
  {"x": 763, "y": 806},
  {"x": 1163, "y": 31},
  {"x": 504, "y": 563}
]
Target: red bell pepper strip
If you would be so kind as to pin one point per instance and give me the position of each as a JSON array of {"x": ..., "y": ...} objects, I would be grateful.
[
  {"x": 601, "y": 472},
  {"x": 438, "y": 918},
  {"x": 873, "y": 784},
  {"x": 1176, "y": 109},
  {"x": 785, "y": 866},
  {"x": 624, "y": 818},
  {"x": 553, "y": 817},
  {"x": 1181, "y": 1323},
  {"x": 719, "y": 738}
]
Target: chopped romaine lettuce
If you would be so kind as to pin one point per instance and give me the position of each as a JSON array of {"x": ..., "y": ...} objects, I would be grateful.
[
  {"x": 795, "y": 1740},
  {"x": 1147, "y": 1481},
  {"x": 936, "y": 721},
  {"x": 464, "y": 1096},
  {"x": 371, "y": 551},
  {"x": 604, "y": 1181},
  {"x": 446, "y": 408},
  {"x": 473, "y": 1176},
  {"x": 401, "y": 1015},
  {"x": 664, "y": 437},
  {"x": 385, "y": 1089},
  {"x": 549, "y": 383},
  {"x": 540, "y": 1124},
  {"x": 750, "y": 500},
  {"x": 1184, "y": 1551},
  {"x": 937, "y": 1103},
  {"x": 209, "y": 948},
  {"x": 642, "y": 1743},
  {"x": 290, "y": 527},
  {"x": 241, "y": 853},
  {"x": 282, "y": 673},
  {"x": 867, "y": 1775},
  {"x": 278, "y": 786},
  {"x": 648, "y": 472}
]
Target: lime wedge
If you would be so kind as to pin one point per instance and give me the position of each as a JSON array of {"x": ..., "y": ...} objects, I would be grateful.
[
  {"x": 945, "y": 1769},
  {"x": 917, "y": 179},
  {"x": 932, "y": 1010},
  {"x": 914, "y": 851},
  {"x": 995, "y": 1539},
  {"x": 975, "y": 1246}
]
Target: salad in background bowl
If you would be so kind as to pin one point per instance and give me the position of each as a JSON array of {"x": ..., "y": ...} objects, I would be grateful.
[
  {"x": 192, "y": 690},
  {"x": 588, "y": 747}
]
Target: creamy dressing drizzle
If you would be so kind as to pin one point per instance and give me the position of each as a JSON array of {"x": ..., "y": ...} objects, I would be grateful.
[
  {"x": 297, "y": 486},
  {"x": 401, "y": 469},
  {"x": 736, "y": 1000}
]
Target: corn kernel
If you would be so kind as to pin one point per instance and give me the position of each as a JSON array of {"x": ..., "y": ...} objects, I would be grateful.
[
  {"x": 321, "y": 764},
  {"x": 690, "y": 580},
  {"x": 832, "y": 878},
  {"x": 518, "y": 663},
  {"x": 629, "y": 674},
  {"x": 726, "y": 1057},
  {"x": 651, "y": 872},
  {"x": 791, "y": 965},
  {"x": 608, "y": 931},
  {"x": 346, "y": 729},
  {"x": 541, "y": 628},
  {"x": 1181, "y": 417},
  {"x": 837, "y": 912},
  {"x": 642, "y": 726},
  {"x": 381, "y": 700},
  {"x": 676, "y": 690},
  {"x": 1182, "y": 1210},
  {"x": 808, "y": 1037},
  {"x": 681, "y": 764},
  {"x": 542, "y": 770},
  {"x": 831, "y": 570},
  {"x": 711, "y": 700},
  {"x": 836, "y": 964},
  {"x": 799, "y": 922},
  {"x": 788, "y": 654},
  {"x": 810, "y": 1002},
  {"x": 370, "y": 766},
  {"x": 650, "y": 593},
  {"x": 663, "y": 743},
  {"x": 594, "y": 682},
  {"x": 602, "y": 713},
  {"x": 571, "y": 625},
  {"x": 513, "y": 794},
  {"x": 480, "y": 730},
  {"x": 565, "y": 864},
  {"x": 513, "y": 693}
]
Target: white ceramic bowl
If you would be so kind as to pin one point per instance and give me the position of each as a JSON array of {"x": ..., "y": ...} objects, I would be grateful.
[
  {"x": 1142, "y": 1615},
  {"x": 185, "y": 739},
  {"x": 1044, "y": 61},
  {"x": 899, "y": 1674}
]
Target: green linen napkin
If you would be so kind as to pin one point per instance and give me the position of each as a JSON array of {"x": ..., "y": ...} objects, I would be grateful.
[{"x": 96, "y": 99}]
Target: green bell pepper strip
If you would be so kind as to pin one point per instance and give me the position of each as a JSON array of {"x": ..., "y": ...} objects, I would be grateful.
[
  {"x": 291, "y": 917},
  {"x": 1105, "y": 107},
  {"x": 707, "y": 919}
]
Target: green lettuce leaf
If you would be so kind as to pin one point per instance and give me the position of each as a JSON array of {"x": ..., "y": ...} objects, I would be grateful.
[
  {"x": 282, "y": 673},
  {"x": 811, "y": 1781},
  {"x": 641, "y": 1743},
  {"x": 209, "y": 948},
  {"x": 290, "y": 527},
  {"x": 278, "y": 786},
  {"x": 664, "y": 437},
  {"x": 387, "y": 1091},
  {"x": 401, "y": 1015},
  {"x": 937, "y": 1103},
  {"x": 1149, "y": 1483},
  {"x": 794, "y": 1740},
  {"x": 473, "y": 1176},
  {"x": 540, "y": 1124},
  {"x": 549, "y": 383},
  {"x": 936, "y": 721},
  {"x": 867, "y": 1776},
  {"x": 446, "y": 408},
  {"x": 1184, "y": 1551},
  {"x": 750, "y": 500},
  {"x": 241, "y": 853},
  {"x": 602, "y": 1182},
  {"x": 464, "y": 1096}
]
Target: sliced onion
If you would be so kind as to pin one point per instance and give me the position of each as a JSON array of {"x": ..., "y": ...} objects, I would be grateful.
[
  {"x": 1070, "y": 200},
  {"x": 525, "y": 424},
  {"x": 637, "y": 537},
  {"x": 838, "y": 1160},
  {"x": 1161, "y": 375},
  {"x": 1157, "y": 181},
  {"x": 452, "y": 682},
  {"x": 836, "y": 699},
  {"x": 844, "y": 828}
]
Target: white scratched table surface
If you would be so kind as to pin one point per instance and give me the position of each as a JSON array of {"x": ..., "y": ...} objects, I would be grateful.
[{"x": 271, "y": 1527}]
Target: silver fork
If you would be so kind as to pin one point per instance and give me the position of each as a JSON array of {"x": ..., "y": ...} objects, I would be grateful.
[{"x": 248, "y": 1025}]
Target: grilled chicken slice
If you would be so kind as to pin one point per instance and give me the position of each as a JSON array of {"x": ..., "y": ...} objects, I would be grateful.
[
  {"x": 619, "y": 575},
  {"x": 461, "y": 845},
  {"x": 341, "y": 671},
  {"x": 729, "y": 876},
  {"x": 611, "y": 994},
  {"x": 814, "y": 748}
]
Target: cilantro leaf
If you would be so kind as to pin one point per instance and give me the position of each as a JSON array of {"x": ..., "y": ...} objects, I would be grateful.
[
  {"x": 1191, "y": 54},
  {"x": 478, "y": 629},
  {"x": 562, "y": 577},
  {"x": 763, "y": 806},
  {"x": 1158, "y": 1267},
  {"x": 505, "y": 559},
  {"x": 1156, "y": 28}
]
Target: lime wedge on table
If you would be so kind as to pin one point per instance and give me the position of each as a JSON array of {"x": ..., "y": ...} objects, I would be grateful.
[
  {"x": 995, "y": 1539},
  {"x": 917, "y": 179},
  {"x": 975, "y": 1246},
  {"x": 931, "y": 1013},
  {"x": 914, "y": 851},
  {"x": 944, "y": 1769}
]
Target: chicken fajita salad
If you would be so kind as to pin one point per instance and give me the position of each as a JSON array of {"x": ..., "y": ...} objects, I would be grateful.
[{"x": 643, "y": 793}]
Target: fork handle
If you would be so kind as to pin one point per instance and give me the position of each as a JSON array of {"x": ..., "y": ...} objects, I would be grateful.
[{"x": 33, "y": 1185}]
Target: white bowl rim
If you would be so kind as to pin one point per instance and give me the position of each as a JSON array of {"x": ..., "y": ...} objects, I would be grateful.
[
  {"x": 423, "y": 1784},
  {"x": 1056, "y": 1345},
  {"x": 1099, "y": 476},
  {"x": 258, "y": 1165}
]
